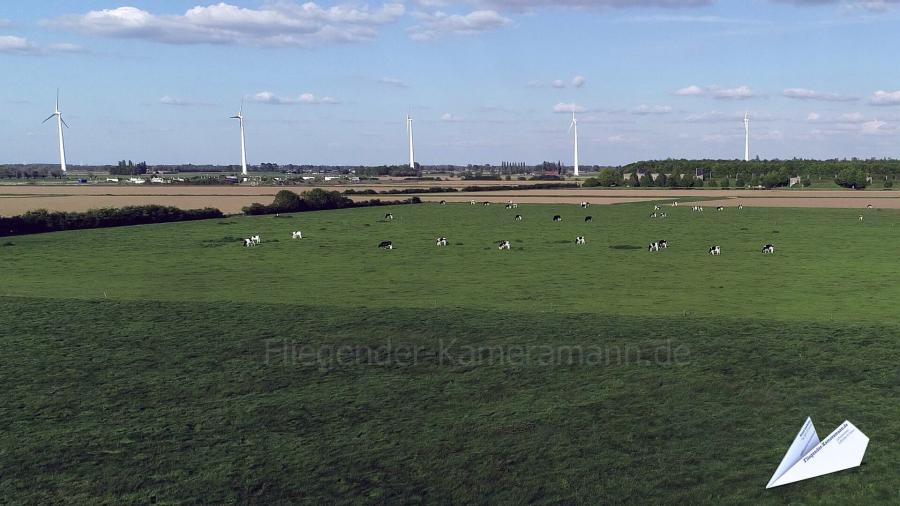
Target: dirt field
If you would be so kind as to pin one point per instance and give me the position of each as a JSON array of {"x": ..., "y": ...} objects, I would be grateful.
[{"x": 230, "y": 199}]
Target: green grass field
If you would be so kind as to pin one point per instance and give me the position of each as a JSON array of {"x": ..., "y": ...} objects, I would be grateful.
[{"x": 168, "y": 364}]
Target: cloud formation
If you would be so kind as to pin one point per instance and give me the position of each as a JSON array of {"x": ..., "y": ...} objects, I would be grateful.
[
  {"x": 568, "y": 107},
  {"x": 282, "y": 23},
  {"x": 11, "y": 44},
  {"x": 439, "y": 24},
  {"x": 738, "y": 93},
  {"x": 881, "y": 97},
  {"x": 645, "y": 109},
  {"x": 267, "y": 97},
  {"x": 805, "y": 94}
]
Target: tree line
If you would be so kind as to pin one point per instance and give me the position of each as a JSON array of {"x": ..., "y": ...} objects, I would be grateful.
[
  {"x": 316, "y": 199},
  {"x": 39, "y": 221}
]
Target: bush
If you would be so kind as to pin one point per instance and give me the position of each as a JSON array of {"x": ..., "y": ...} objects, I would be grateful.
[
  {"x": 317, "y": 199},
  {"x": 888, "y": 183},
  {"x": 851, "y": 178},
  {"x": 35, "y": 222}
]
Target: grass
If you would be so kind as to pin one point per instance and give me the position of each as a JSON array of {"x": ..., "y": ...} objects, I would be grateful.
[{"x": 146, "y": 364}]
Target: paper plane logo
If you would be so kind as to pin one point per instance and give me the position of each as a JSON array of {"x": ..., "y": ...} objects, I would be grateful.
[{"x": 809, "y": 457}]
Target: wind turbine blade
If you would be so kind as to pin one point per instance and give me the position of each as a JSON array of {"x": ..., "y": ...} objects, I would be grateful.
[
  {"x": 48, "y": 118},
  {"x": 63, "y": 121},
  {"x": 570, "y": 127},
  {"x": 234, "y": 117},
  {"x": 57, "y": 99}
]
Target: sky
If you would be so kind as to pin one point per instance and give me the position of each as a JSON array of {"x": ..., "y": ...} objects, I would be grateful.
[{"x": 484, "y": 80}]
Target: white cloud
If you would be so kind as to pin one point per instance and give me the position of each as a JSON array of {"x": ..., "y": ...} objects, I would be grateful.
[
  {"x": 391, "y": 81},
  {"x": 852, "y": 117},
  {"x": 739, "y": 93},
  {"x": 621, "y": 139},
  {"x": 439, "y": 24},
  {"x": 450, "y": 118},
  {"x": 881, "y": 97},
  {"x": 170, "y": 100},
  {"x": 578, "y": 81},
  {"x": 267, "y": 97},
  {"x": 805, "y": 94},
  {"x": 645, "y": 109},
  {"x": 569, "y": 108},
  {"x": 19, "y": 45},
  {"x": 688, "y": 91},
  {"x": 875, "y": 127},
  {"x": 282, "y": 23},
  {"x": 558, "y": 83},
  {"x": 592, "y": 4},
  {"x": 813, "y": 116}
]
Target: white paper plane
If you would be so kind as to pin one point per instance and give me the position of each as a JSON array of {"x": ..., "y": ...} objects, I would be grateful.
[{"x": 808, "y": 457}]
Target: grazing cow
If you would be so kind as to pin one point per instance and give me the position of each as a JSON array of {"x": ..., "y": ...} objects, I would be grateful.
[
  {"x": 509, "y": 206},
  {"x": 653, "y": 215},
  {"x": 388, "y": 216},
  {"x": 869, "y": 206},
  {"x": 441, "y": 241},
  {"x": 696, "y": 208},
  {"x": 443, "y": 202},
  {"x": 656, "y": 207},
  {"x": 715, "y": 250},
  {"x": 654, "y": 246},
  {"x": 580, "y": 240},
  {"x": 518, "y": 217},
  {"x": 740, "y": 206},
  {"x": 472, "y": 202},
  {"x": 504, "y": 245},
  {"x": 768, "y": 248},
  {"x": 860, "y": 217},
  {"x": 515, "y": 206},
  {"x": 675, "y": 204},
  {"x": 588, "y": 219},
  {"x": 557, "y": 218},
  {"x": 256, "y": 239},
  {"x": 297, "y": 235},
  {"x": 663, "y": 243},
  {"x": 485, "y": 203},
  {"x": 584, "y": 205},
  {"x": 663, "y": 215},
  {"x": 249, "y": 243},
  {"x": 720, "y": 208},
  {"x": 386, "y": 245}
]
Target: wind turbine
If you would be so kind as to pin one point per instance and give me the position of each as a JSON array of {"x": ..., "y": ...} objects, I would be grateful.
[
  {"x": 574, "y": 126},
  {"x": 240, "y": 117},
  {"x": 747, "y": 136},
  {"x": 59, "y": 125},
  {"x": 409, "y": 129}
]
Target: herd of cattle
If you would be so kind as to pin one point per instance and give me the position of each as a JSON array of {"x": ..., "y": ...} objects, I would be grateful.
[{"x": 579, "y": 240}]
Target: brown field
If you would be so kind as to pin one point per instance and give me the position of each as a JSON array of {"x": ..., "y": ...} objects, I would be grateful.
[{"x": 17, "y": 199}]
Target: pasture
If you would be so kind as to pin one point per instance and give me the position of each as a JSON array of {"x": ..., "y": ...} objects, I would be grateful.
[{"x": 169, "y": 364}]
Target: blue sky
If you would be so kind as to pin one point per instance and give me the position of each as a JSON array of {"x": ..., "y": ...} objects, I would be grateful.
[{"x": 485, "y": 80}]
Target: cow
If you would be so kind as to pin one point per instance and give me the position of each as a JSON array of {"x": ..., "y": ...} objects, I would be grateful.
[
  {"x": 441, "y": 241},
  {"x": 653, "y": 215},
  {"x": 386, "y": 245},
  {"x": 504, "y": 245},
  {"x": 663, "y": 215},
  {"x": 472, "y": 202},
  {"x": 675, "y": 203},
  {"x": 584, "y": 205},
  {"x": 663, "y": 243},
  {"x": 249, "y": 243},
  {"x": 515, "y": 206},
  {"x": 740, "y": 207},
  {"x": 860, "y": 217},
  {"x": 518, "y": 217},
  {"x": 297, "y": 235},
  {"x": 768, "y": 248},
  {"x": 443, "y": 202},
  {"x": 696, "y": 208},
  {"x": 656, "y": 207},
  {"x": 388, "y": 217},
  {"x": 485, "y": 203},
  {"x": 869, "y": 206},
  {"x": 720, "y": 208},
  {"x": 654, "y": 246},
  {"x": 715, "y": 250},
  {"x": 588, "y": 219},
  {"x": 256, "y": 239},
  {"x": 557, "y": 218},
  {"x": 509, "y": 206},
  {"x": 580, "y": 240}
]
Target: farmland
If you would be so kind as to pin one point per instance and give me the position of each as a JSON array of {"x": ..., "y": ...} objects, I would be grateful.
[{"x": 162, "y": 363}]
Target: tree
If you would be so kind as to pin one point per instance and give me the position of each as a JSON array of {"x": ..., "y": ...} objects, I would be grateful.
[
  {"x": 646, "y": 180},
  {"x": 633, "y": 180},
  {"x": 661, "y": 179},
  {"x": 888, "y": 183},
  {"x": 851, "y": 178},
  {"x": 726, "y": 183},
  {"x": 740, "y": 182},
  {"x": 806, "y": 182}
]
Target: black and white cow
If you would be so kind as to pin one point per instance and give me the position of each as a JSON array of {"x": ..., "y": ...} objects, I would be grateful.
[
  {"x": 297, "y": 235},
  {"x": 714, "y": 250},
  {"x": 653, "y": 215},
  {"x": 248, "y": 243},
  {"x": 256, "y": 240},
  {"x": 557, "y": 218},
  {"x": 656, "y": 207},
  {"x": 472, "y": 202},
  {"x": 663, "y": 243},
  {"x": 675, "y": 203},
  {"x": 663, "y": 215},
  {"x": 580, "y": 240},
  {"x": 654, "y": 246},
  {"x": 768, "y": 249},
  {"x": 485, "y": 203},
  {"x": 441, "y": 241},
  {"x": 720, "y": 208},
  {"x": 584, "y": 205},
  {"x": 388, "y": 217},
  {"x": 386, "y": 245},
  {"x": 443, "y": 202},
  {"x": 588, "y": 219},
  {"x": 504, "y": 245},
  {"x": 518, "y": 217},
  {"x": 869, "y": 206},
  {"x": 740, "y": 207}
]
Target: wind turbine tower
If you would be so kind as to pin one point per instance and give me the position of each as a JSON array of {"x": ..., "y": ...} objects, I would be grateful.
[
  {"x": 574, "y": 127},
  {"x": 59, "y": 125},
  {"x": 240, "y": 117},
  {"x": 409, "y": 130},
  {"x": 746, "y": 136}
]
